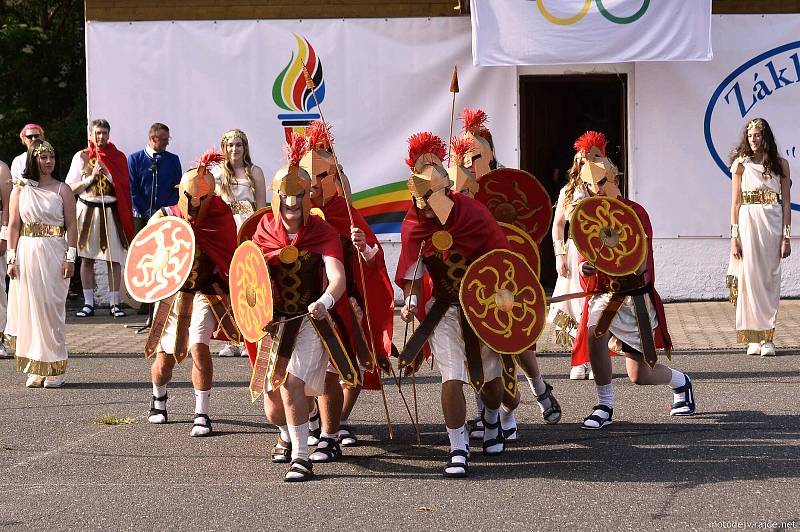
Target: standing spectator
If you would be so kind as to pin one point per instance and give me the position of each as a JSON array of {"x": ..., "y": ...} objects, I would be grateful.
[
  {"x": 99, "y": 174},
  {"x": 28, "y": 134},
  {"x": 761, "y": 225},
  {"x": 5, "y": 194},
  {"x": 154, "y": 176},
  {"x": 40, "y": 262}
]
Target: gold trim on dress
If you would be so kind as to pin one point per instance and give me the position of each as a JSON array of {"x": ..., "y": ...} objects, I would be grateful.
[
  {"x": 242, "y": 207},
  {"x": 564, "y": 323},
  {"x": 38, "y": 229},
  {"x": 762, "y": 196},
  {"x": 754, "y": 337},
  {"x": 733, "y": 288},
  {"x": 38, "y": 367}
]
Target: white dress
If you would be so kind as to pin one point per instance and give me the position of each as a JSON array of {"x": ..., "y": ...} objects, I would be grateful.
[
  {"x": 36, "y": 300},
  {"x": 755, "y": 279},
  {"x": 566, "y": 315},
  {"x": 243, "y": 198}
]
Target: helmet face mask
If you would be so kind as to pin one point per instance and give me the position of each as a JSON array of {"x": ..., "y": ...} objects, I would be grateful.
[
  {"x": 195, "y": 192},
  {"x": 599, "y": 174},
  {"x": 429, "y": 188},
  {"x": 321, "y": 168},
  {"x": 290, "y": 185},
  {"x": 480, "y": 157}
]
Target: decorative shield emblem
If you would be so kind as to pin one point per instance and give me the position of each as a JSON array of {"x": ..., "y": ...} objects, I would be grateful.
[
  {"x": 159, "y": 259},
  {"x": 522, "y": 243},
  {"x": 249, "y": 226},
  {"x": 251, "y": 291},
  {"x": 503, "y": 301},
  {"x": 608, "y": 234},
  {"x": 516, "y": 197}
]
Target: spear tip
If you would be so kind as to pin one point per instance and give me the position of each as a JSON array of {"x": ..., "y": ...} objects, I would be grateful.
[{"x": 454, "y": 80}]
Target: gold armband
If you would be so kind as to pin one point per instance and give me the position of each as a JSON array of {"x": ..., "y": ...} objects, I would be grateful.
[
  {"x": 787, "y": 231},
  {"x": 559, "y": 247}
]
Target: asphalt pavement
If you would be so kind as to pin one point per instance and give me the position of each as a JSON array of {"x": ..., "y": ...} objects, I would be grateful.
[{"x": 734, "y": 465}]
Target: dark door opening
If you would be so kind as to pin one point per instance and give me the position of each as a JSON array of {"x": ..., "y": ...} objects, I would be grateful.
[{"x": 556, "y": 110}]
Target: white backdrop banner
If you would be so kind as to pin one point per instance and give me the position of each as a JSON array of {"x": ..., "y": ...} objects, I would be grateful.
[
  {"x": 547, "y": 32},
  {"x": 690, "y": 116},
  {"x": 378, "y": 81}
]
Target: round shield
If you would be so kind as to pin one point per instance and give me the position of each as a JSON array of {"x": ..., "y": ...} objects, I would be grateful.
[
  {"x": 503, "y": 301},
  {"x": 159, "y": 259},
  {"x": 249, "y": 226},
  {"x": 608, "y": 234},
  {"x": 522, "y": 243},
  {"x": 251, "y": 291},
  {"x": 518, "y": 198}
]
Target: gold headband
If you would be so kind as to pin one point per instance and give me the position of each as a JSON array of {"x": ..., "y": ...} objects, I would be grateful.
[
  {"x": 44, "y": 146},
  {"x": 756, "y": 123},
  {"x": 234, "y": 134}
]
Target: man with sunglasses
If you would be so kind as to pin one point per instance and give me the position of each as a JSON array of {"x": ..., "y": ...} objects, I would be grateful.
[{"x": 28, "y": 134}]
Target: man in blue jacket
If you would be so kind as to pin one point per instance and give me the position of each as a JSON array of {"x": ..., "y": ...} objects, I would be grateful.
[{"x": 155, "y": 174}]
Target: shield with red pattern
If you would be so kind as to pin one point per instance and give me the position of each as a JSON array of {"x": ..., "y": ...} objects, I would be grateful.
[
  {"x": 503, "y": 301},
  {"x": 249, "y": 226},
  {"x": 522, "y": 243},
  {"x": 159, "y": 259},
  {"x": 608, "y": 234},
  {"x": 518, "y": 198},
  {"x": 251, "y": 291}
]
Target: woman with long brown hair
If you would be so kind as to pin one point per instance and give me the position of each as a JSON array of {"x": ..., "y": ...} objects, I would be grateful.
[{"x": 760, "y": 231}]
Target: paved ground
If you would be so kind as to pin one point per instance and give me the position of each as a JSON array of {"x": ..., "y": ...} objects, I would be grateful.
[{"x": 734, "y": 465}]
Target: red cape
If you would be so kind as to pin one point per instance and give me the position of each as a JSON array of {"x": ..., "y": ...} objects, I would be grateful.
[
  {"x": 215, "y": 233},
  {"x": 376, "y": 289},
  {"x": 117, "y": 164},
  {"x": 580, "y": 349}
]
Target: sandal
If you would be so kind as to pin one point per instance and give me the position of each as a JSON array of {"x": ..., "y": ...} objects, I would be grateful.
[
  {"x": 157, "y": 415},
  {"x": 314, "y": 426},
  {"x": 475, "y": 427},
  {"x": 328, "y": 450},
  {"x": 600, "y": 420},
  {"x": 85, "y": 312},
  {"x": 117, "y": 312},
  {"x": 510, "y": 434},
  {"x": 346, "y": 436},
  {"x": 282, "y": 452},
  {"x": 202, "y": 426},
  {"x": 455, "y": 469},
  {"x": 551, "y": 415},
  {"x": 300, "y": 471},
  {"x": 686, "y": 407},
  {"x": 491, "y": 442}
]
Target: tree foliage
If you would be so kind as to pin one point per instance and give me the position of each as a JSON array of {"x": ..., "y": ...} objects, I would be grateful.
[{"x": 42, "y": 74}]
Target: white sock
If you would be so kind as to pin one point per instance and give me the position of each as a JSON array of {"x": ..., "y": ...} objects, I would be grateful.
[
  {"x": 508, "y": 418},
  {"x": 88, "y": 297},
  {"x": 457, "y": 438},
  {"x": 678, "y": 379},
  {"x": 284, "y": 432},
  {"x": 326, "y": 435},
  {"x": 299, "y": 437},
  {"x": 479, "y": 404},
  {"x": 605, "y": 394},
  {"x": 114, "y": 297},
  {"x": 201, "y": 401},
  {"x": 160, "y": 391},
  {"x": 537, "y": 384}
]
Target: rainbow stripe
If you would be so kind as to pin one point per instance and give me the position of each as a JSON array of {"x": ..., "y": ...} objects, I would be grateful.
[
  {"x": 384, "y": 207},
  {"x": 289, "y": 91}
]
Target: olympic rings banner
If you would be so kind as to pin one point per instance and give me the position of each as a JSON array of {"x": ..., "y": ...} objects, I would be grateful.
[{"x": 548, "y": 32}]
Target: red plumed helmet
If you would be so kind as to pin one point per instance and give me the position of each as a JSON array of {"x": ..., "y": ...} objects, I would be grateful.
[
  {"x": 459, "y": 146},
  {"x": 589, "y": 140},
  {"x": 318, "y": 135},
  {"x": 424, "y": 142},
  {"x": 474, "y": 120},
  {"x": 295, "y": 148}
]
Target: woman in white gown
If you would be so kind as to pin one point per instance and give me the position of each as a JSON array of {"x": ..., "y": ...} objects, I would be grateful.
[
  {"x": 760, "y": 231},
  {"x": 241, "y": 184},
  {"x": 40, "y": 263}
]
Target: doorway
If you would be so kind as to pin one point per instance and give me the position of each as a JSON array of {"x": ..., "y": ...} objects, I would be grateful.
[{"x": 554, "y": 111}]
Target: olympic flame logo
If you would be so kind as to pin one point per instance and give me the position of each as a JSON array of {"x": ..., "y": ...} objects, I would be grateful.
[
  {"x": 574, "y": 19},
  {"x": 501, "y": 303},
  {"x": 609, "y": 238}
]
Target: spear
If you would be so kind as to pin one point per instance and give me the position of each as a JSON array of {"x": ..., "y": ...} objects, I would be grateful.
[
  {"x": 346, "y": 191},
  {"x": 453, "y": 90}
]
